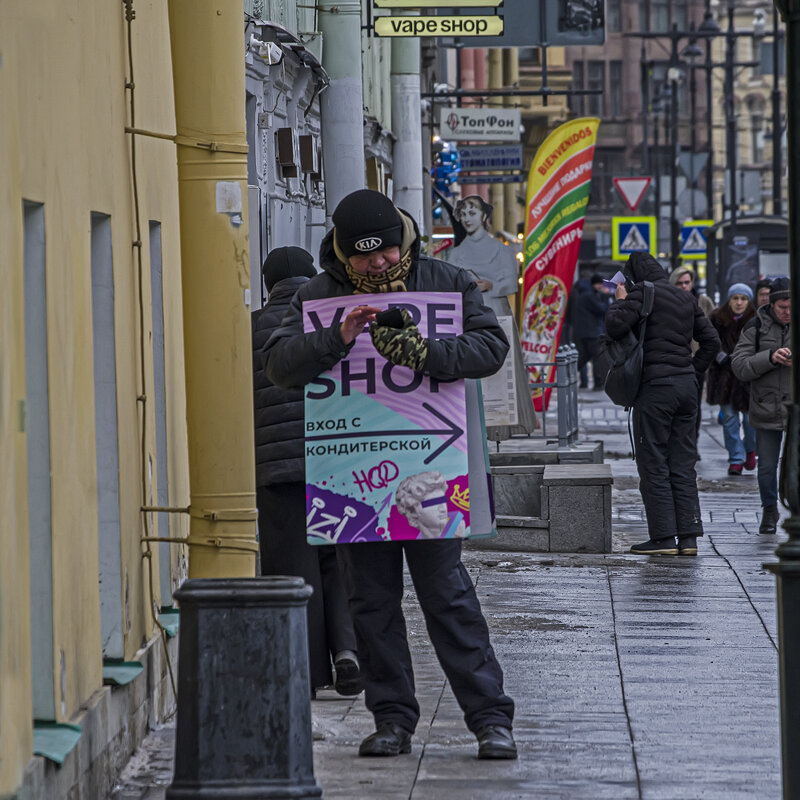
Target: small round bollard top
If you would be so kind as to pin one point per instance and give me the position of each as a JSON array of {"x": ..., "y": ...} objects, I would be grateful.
[{"x": 281, "y": 590}]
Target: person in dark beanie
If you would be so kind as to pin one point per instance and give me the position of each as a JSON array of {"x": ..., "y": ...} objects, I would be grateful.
[
  {"x": 280, "y": 490},
  {"x": 763, "y": 357},
  {"x": 374, "y": 248},
  {"x": 762, "y": 292},
  {"x": 665, "y": 409}
]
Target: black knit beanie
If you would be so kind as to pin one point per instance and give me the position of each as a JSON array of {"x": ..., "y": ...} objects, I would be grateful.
[
  {"x": 287, "y": 262},
  {"x": 779, "y": 290},
  {"x": 367, "y": 220}
]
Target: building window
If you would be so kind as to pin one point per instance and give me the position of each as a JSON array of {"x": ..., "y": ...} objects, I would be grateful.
[
  {"x": 764, "y": 56},
  {"x": 659, "y": 16},
  {"x": 615, "y": 89},
  {"x": 576, "y": 101},
  {"x": 596, "y": 79},
  {"x": 755, "y": 107},
  {"x": 613, "y": 16},
  {"x": 681, "y": 15}
]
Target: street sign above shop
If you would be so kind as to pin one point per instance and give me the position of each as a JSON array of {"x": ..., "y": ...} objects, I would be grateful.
[
  {"x": 509, "y": 177},
  {"x": 480, "y": 124},
  {"x": 462, "y": 25},
  {"x": 436, "y": 4},
  {"x": 483, "y": 157}
]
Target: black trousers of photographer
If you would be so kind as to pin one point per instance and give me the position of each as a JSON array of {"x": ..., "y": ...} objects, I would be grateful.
[
  {"x": 456, "y": 626},
  {"x": 664, "y": 420}
]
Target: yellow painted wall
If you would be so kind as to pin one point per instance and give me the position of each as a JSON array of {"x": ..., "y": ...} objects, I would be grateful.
[
  {"x": 62, "y": 143},
  {"x": 15, "y": 686}
]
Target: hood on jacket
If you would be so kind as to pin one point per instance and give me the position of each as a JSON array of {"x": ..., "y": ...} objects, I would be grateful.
[
  {"x": 331, "y": 259},
  {"x": 643, "y": 267}
]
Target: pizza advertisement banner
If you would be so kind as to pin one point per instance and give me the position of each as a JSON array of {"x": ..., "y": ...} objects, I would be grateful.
[
  {"x": 558, "y": 193},
  {"x": 385, "y": 447}
]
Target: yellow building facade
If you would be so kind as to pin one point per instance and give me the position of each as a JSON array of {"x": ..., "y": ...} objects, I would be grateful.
[{"x": 92, "y": 388}]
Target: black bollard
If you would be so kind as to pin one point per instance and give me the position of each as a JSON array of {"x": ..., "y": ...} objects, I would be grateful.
[{"x": 244, "y": 710}]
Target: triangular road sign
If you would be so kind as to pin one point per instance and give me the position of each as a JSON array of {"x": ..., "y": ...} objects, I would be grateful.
[
  {"x": 634, "y": 241},
  {"x": 695, "y": 242},
  {"x": 632, "y": 190}
]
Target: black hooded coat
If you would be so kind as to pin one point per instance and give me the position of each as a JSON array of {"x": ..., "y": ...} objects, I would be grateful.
[{"x": 675, "y": 320}]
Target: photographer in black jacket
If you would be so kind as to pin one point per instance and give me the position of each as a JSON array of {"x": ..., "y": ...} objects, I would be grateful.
[{"x": 665, "y": 410}]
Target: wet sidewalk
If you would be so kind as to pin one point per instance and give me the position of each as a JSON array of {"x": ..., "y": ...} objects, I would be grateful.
[{"x": 634, "y": 677}]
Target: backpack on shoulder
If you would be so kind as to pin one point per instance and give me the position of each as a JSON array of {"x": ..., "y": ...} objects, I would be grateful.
[{"x": 626, "y": 357}]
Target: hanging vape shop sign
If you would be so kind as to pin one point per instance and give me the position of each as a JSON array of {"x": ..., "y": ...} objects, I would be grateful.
[{"x": 480, "y": 124}]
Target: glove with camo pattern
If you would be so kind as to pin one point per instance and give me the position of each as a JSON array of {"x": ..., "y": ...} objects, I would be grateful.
[{"x": 404, "y": 346}]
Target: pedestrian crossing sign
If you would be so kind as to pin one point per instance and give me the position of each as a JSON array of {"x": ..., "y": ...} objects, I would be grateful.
[
  {"x": 693, "y": 238},
  {"x": 632, "y": 235}
]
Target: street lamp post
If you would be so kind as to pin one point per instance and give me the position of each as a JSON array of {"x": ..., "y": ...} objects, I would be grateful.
[
  {"x": 692, "y": 52},
  {"x": 787, "y": 570},
  {"x": 777, "y": 128},
  {"x": 730, "y": 117},
  {"x": 673, "y": 74}
]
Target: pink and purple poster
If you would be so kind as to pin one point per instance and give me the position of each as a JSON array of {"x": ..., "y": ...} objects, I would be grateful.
[{"x": 386, "y": 447}]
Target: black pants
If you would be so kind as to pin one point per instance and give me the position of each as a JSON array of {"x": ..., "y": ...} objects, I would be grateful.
[
  {"x": 457, "y": 629},
  {"x": 664, "y": 419},
  {"x": 590, "y": 350},
  {"x": 285, "y": 551}
]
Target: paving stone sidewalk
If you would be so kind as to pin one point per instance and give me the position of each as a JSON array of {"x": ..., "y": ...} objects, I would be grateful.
[{"x": 634, "y": 677}]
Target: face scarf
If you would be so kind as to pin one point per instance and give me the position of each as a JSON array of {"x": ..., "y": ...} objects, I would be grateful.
[{"x": 393, "y": 280}]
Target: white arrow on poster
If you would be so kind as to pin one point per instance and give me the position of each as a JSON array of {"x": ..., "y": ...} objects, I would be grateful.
[{"x": 632, "y": 189}]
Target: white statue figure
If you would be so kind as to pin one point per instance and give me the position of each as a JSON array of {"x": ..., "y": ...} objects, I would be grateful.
[{"x": 493, "y": 263}]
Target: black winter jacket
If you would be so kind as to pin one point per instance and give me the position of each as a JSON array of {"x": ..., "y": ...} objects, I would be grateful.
[
  {"x": 279, "y": 414},
  {"x": 675, "y": 320},
  {"x": 590, "y": 311},
  {"x": 292, "y": 358}
]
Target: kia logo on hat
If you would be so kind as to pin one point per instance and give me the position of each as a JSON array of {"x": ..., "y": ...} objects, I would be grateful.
[{"x": 370, "y": 243}]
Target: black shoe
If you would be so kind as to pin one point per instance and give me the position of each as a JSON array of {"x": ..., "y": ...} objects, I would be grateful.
[
  {"x": 687, "y": 545},
  {"x": 656, "y": 547},
  {"x": 770, "y": 516},
  {"x": 494, "y": 741},
  {"x": 388, "y": 740},
  {"x": 348, "y": 675}
]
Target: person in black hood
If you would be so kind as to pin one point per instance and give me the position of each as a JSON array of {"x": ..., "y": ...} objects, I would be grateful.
[
  {"x": 281, "y": 491},
  {"x": 374, "y": 248},
  {"x": 665, "y": 410}
]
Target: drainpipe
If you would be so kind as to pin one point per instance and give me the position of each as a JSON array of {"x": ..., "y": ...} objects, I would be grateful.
[
  {"x": 208, "y": 74},
  {"x": 342, "y": 103},
  {"x": 512, "y": 207},
  {"x": 407, "y": 128},
  {"x": 496, "y": 191}
]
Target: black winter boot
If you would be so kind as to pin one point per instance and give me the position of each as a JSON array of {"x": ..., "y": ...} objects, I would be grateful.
[{"x": 770, "y": 516}]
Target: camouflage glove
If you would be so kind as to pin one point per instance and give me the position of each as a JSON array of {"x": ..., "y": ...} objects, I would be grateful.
[{"x": 404, "y": 346}]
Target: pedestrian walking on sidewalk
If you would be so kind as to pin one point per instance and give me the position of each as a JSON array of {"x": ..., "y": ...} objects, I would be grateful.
[
  {"x": 591, "y": 305},
  {"x": 374, "y": 248},
  {"x": 762, "y": 292},
  {"x": 724, "y": 388},
  {"x": 762, "y": 356},
  {"x": 685, "y": 278},
  {"x": 281, "y": 491},
  {"x": 665, "y": 410}
]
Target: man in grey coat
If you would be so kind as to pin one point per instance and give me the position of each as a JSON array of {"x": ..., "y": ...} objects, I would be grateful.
[
  {"x": 374, "y": 248},
  {"x": 762, "y": 356}
]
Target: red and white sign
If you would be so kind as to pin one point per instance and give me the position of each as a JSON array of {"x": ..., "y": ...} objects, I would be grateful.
[{"x": 632, "y": 190}]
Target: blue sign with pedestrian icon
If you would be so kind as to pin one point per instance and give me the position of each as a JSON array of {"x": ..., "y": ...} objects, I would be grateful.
[
  {"x": 632, "y": 235},
  {"x": 693, "y": 238}
]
